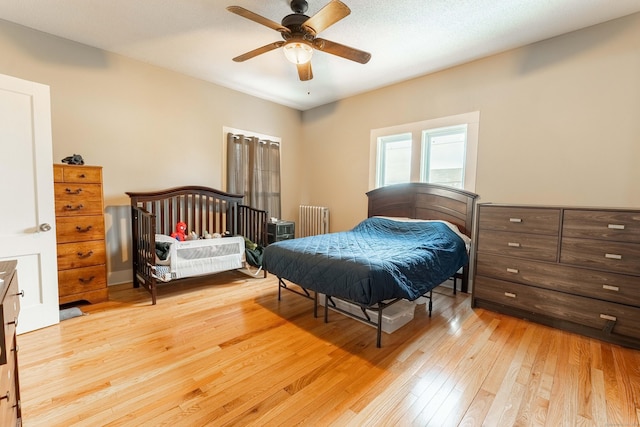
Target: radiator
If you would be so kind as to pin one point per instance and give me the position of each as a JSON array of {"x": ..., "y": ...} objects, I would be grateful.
[{"x": 313, "y": 220}]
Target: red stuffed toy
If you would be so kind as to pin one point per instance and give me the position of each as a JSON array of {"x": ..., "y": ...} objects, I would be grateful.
[{"x": 179, "y": 234}]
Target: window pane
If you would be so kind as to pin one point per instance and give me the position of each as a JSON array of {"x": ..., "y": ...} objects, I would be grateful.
[
  {"x": 395, "y": 159},
  {"x": 444, "y": 156}
]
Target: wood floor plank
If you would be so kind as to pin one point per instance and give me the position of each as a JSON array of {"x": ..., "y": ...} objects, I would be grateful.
[
  {"x": 502, "y": 407},
  {"x": 532, "y": 411},
  {"x": 455, "y": 394},
  {"x": 224, "y": 351}
]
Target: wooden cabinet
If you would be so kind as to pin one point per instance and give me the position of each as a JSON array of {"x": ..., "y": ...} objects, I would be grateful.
[
  {"x": 573, "y": 268},
  {"x": 80, "y": 233},
  {"x": 10, "y": 413}
]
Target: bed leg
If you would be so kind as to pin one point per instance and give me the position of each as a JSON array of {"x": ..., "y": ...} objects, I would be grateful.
[
  {"x": 315, "y": 304},
  {"x": 153, "y": 294},
  {"x": 326, "y": 308},
  {"x": 379, "y": 331},
  {"x": 430, "y": 302},
  {"x": 455, "y": 282},
  {"x": 279, "y": 289}
]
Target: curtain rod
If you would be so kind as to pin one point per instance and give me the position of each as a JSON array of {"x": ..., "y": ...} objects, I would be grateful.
[{"x": 262, "y": 141}]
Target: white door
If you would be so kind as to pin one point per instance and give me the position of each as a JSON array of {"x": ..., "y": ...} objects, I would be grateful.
[{"x": 27, "y": 215}]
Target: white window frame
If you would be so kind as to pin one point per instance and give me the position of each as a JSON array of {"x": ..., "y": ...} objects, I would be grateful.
[
  {"x": 427, "y": 136},
  {"x": 472, "y": 120},
  {"x": 381, "y": 157}
]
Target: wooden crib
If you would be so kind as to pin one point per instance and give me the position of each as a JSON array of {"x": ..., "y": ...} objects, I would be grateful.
[{"x": 203, "y": 209}]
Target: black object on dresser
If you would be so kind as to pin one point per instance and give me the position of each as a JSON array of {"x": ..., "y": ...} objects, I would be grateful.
[
  {"x": 280, "y": 230},
  {"x": 572, "y": 268},
  {"x": 10, "y": 412}
]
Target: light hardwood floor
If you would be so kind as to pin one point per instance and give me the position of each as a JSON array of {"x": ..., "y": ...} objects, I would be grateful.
[{"x": 227, "y": 352}]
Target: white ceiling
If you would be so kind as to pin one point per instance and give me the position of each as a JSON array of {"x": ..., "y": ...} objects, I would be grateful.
[{"x": 407, "y": 38}]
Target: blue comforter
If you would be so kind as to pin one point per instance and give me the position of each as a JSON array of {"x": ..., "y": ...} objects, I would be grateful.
[{"x": 379, "y": 259}]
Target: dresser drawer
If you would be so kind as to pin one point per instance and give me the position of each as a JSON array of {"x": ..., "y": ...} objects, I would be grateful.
[
  {"x": 8, "y": 405},
  {"x": 534, "y": 246},
  {"x": 72, "y": 173},
  {"x": 82, "y": 279},
  {"x": 9, "y": 334},
  {"x": 523, "y": 220},
  {"x": 79, "y": 228},
  {"x": 609, "y": 256},
  {"x": 620, "y": 319},
  {"x": 612, "y": 287},
  {"x": 79, "y": 200},
  {"x": 82, "y": 254},
  {"x": 620, "y": 226},
  {"x": 11, "y": 303}
]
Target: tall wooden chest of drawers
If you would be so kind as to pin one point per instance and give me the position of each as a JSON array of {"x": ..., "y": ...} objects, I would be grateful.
[
  {"x": 573, "y": 268},
  {"x": 10, "y": 413},
  {"x": 80, "y": 233}
]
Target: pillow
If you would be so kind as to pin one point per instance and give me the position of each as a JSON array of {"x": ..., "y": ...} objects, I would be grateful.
[{"x": 453, "y": 227}]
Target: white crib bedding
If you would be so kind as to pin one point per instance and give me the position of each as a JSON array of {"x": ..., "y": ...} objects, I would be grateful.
[{"x": 200, "y": 257}]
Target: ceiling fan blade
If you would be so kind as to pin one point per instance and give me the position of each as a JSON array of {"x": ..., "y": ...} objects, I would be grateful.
[
  {"x": 342, "y": 50},
  {"x": 304, "y": 71},
  {"x": 331, "y": 13},
  {"x": 258, "y": 51},
  {"x": 257, "y": 18}
]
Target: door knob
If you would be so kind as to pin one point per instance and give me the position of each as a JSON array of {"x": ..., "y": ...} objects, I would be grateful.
[{"x": 45, "y": 227}]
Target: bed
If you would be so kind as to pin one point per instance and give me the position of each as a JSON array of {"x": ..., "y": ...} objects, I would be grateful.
[
  {"x": 416, "y": 237},
  {"x": 223, "y": 229}
]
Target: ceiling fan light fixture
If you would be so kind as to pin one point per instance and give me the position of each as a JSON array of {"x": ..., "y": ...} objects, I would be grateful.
[{"x": 298, "y": 52}]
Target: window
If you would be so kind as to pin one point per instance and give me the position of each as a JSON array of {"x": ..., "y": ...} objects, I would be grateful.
[
  {"x": 253, "y": 169},
  {"x": 439, "y": 151},
  {"x": 443, "y": 156},
  {"x": 394, "y": 154}
]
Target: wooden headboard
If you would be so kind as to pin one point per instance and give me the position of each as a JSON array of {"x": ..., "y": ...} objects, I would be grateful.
[
  {"x": 202, "y": 209},
  {"x": 427, "y": 201},
  {"x": 424, "y": 201}
]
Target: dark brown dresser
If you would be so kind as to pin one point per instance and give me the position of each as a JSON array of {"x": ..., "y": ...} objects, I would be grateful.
[
  {"x": 10, "y": 413},
  {"x": 573, "y": 268},
  {"x": 82, "y": 273}
]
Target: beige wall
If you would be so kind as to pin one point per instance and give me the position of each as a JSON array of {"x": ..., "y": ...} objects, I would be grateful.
[
  {"x": 559, "y": 124},
  {"x": 148, "y": 127}
]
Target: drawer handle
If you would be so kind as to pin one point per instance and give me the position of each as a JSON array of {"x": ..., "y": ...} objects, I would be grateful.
[
  {"x": 608, "y": 317},
  {"x": 613, "y": 256},
  {"x": 89, "y": 280},
  {"x": 509, "y": 294},
  {"x": 616, "y": 226},
  {"x": 85, "y": 255},
  {"x": 72, "y": 208},
  {"x": 21, "y": 293},
  {"x": 83, "y": 230},
  {"x": 70, "y": 191},
  {"x": 15, "y": 322},
  {"x": 515, "y": 219},
  {"x": 82, "y": 175},
  {"x": 6, "y": 396},
  {"x": 513, "y": 244},
  {"x": 512, "y": 270},
  {"x": 610, "y": 288}
]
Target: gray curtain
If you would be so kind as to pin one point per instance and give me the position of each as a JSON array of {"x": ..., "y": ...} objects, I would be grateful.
[{"x": 253, "y": 169}]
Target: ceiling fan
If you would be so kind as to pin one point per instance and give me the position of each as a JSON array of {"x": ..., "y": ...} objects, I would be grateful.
[{"x": 299, "y": 35}]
